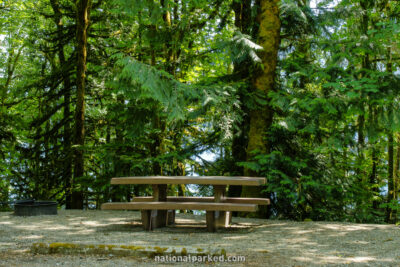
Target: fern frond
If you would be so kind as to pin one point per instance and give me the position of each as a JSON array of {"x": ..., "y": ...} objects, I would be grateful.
[{"x": 241, "y": 48}]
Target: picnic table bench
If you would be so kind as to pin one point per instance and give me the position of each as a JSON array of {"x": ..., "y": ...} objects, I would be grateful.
[{"x": 159, "y": 210}]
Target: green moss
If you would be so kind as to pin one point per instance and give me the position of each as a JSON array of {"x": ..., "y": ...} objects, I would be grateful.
[
  {"x": 39, "y": 245},
  {"x": 132, "y": 247},
  {"x": 58, "y": 247},
  {"x": 223, "y": 252},
  {"x": 62, "y": 245},
  {"x": 184, "y": 252},
  {"x": 149, "y": 251},
  {"x": 160, "y": 249}
]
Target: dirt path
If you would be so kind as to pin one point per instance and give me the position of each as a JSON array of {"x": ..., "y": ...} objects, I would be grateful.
[{"x": 262, "y": 242}]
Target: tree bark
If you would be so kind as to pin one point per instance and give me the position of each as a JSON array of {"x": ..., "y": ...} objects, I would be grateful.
[
  {"x": 365, "y": 64},
  {"x": 390, "y": 214},
  {"x": 373, "y": 178},
  {"x": 169, "y": 51},
  {"x": 83, "y": 14},
  {"x": 12, "y": 61},
  {"x": 67, "y": 172},
  {"x": 396, "y": 167},
  {"x": 392, "y": 196},
  {"x": 264, "y": 82},
  {"x": 239, "y": 143}
]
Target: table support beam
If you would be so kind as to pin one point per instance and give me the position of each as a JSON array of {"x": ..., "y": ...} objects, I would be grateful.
[
  {"x": 217, "y": 219},
  {"x": 152, "y": 219}
]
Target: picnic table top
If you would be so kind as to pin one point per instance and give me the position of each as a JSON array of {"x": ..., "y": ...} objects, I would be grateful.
[{"x": 205, "y": 180}]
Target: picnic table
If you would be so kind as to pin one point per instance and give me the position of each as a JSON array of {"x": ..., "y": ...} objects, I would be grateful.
[{"x": 158, "y": 210}]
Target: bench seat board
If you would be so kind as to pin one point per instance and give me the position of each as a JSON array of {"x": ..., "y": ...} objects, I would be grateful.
[
  {"x": 178, "y": 206},
  {"x": 206, "y": 180},
  {"x": 240, "y": 200}
]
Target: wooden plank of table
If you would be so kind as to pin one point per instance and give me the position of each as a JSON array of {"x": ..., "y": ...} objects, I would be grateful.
[
  {"x": 178, "y": 205},
  {"x": 243, "y": 200},
  {"x": 205, "y": 180}
]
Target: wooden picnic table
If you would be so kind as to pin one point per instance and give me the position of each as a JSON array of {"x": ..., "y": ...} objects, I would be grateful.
[{"x": 159, "y": 210}]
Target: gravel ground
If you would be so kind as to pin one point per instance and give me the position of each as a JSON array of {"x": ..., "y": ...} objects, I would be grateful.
[{"x": 262, "y": 242}]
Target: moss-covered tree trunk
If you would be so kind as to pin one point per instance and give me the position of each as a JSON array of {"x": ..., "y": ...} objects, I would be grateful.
[
  {"x": 83, "y": 13},
  {"x": 263, "y": 82}
]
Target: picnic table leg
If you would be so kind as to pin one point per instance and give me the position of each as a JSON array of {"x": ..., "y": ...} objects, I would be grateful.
[
  {"x": 152, "y": 219},
  {"x": 210, "y": 221},
  {"x": 215, "y": 219},
  {"x": 146, "y": 222},
  {"x": 159, "y": 217},
  {"x": 170, "y": 217}
]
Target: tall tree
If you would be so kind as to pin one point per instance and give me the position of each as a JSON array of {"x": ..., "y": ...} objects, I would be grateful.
[
  {"x": 263, "y": 82},
  {"x": 243, "y": 22},
  {"x": 65, "y": 72},
  {"x": 82, "y": 19}
]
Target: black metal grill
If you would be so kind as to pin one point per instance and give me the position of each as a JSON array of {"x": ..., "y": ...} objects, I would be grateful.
[{"x": 33, "y": 208}]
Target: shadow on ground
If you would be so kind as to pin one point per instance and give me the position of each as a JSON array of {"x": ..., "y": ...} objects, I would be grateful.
[{"x": 266, "y": 242}]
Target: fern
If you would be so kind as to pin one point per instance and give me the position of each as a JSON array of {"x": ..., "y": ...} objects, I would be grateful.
[
  {"x": 241, "y": 48},
  {"x": 179, "y": 101}
]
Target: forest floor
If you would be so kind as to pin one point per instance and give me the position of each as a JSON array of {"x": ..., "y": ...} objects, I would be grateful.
[{"x": 262, "y": 242}]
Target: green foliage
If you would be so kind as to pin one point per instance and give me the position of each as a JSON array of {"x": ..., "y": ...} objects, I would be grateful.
[
  {"x": 242, "y": 48},
  {"x": 166, "y": 84},
  {"x": 299, "y": 182},
  {"x": 140, "y": 81}
]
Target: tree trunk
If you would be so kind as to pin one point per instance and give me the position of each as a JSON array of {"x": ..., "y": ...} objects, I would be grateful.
[
  {"x": 392, "y": 196},
  {"x": 264, "y": 81},
  {"x": 373, "y": 178},
  {"x": 67, "y": 171},
  {"x": 12, "y": 61},
  {"x": 390, "y": 215},
  {"x": 365, "y": 64},
  {"x": 362, "y": 176},
  {"x": 83, "y": 13},
  {"x": 360, "y": 172},
  {"x": 168, "y": 53},
  {"x": 396, "y": 170},
  {"x": 239, "y": 143}
]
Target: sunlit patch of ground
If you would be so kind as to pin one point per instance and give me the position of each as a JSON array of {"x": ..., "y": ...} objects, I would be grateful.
[{"x": 262, "y": 242}]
